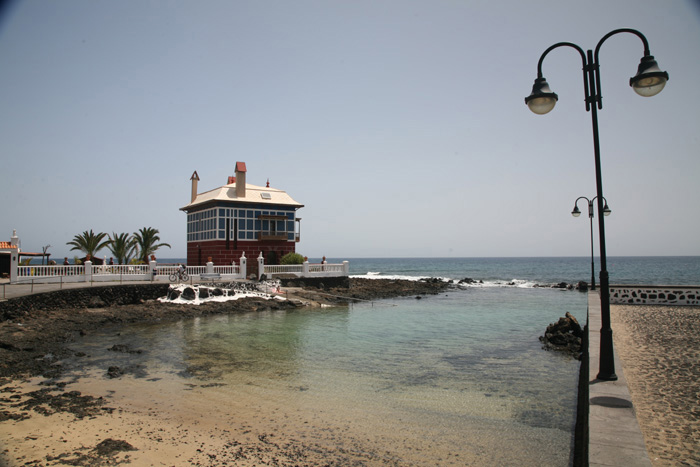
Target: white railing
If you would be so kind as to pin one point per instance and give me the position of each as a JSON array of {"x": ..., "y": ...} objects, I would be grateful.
[
  {"x": 232, "y": 269},
  {"x": 121, "y": 269},
  {"x": 49, "y": 271},
  {"x": 326, "y": 268},
  {"x": 272, "y": 269},
  {"x": 89, "y": 272},
  {"x": 304, "y": 270}
]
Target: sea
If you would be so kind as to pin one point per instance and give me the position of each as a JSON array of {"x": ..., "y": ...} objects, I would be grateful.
[{"x": 458, "y": 378}]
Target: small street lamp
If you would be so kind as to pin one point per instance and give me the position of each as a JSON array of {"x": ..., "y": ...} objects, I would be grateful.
[
  {"x": 576, "y": 213},
  {"x": 648, "y": 81}
]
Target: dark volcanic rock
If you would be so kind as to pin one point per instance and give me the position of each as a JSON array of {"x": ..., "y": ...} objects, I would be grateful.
[
  {"x": 173, "y": 294},
  {"x": 111, "y": 446},
  {"x": 565, "y": 335},
  {"x": 114, "y": 372},
  {"x": 188, "y": 294}
]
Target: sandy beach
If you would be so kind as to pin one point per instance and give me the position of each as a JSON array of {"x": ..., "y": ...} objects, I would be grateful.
[{"x": 660, "y": 350}]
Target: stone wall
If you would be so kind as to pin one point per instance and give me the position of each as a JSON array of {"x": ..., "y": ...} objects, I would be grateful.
[
  {"x": 654, "y": 295},
  {"x": 87, "y": 297}
]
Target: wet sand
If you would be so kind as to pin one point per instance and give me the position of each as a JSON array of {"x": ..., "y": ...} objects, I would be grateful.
[{"x": 660, "y": 351}]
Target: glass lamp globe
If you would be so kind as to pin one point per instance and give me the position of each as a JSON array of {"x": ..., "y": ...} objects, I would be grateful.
[
  {"x": 649, "y": 80},
  {"x": 542, "y": 100}
]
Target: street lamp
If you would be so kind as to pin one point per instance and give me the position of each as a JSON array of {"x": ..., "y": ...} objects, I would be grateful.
[
  {"x": 576, "y": 212},
  {"x": 648, "y": 81}
]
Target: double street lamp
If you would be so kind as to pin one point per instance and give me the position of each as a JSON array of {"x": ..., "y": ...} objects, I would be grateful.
[
  {"x": 648, "y": 81},
  {"x": 576, "y": 212}
]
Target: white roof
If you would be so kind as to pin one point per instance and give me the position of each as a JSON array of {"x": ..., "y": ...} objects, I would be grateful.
[{"x": 253, "y": 194}]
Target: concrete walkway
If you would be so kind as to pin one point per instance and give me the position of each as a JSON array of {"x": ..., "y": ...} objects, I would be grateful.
[{"x": 615, "y": 438}]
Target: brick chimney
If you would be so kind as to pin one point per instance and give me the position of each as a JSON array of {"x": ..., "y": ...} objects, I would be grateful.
[
  {"x": 240, "y": 179},
  {"x": 195, "y": 179}
]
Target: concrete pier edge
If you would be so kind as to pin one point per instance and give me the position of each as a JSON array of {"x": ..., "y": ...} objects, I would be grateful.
[{"x": 614, "y": 435}]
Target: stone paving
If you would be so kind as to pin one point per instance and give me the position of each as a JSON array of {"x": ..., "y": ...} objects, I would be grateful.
[{"x": 660, "y": 351}]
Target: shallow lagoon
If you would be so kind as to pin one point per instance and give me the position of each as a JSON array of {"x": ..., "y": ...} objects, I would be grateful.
[{"x": 451, "y": 379}]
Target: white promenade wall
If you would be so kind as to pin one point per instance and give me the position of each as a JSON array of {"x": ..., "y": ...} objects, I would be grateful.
[{"x": 153, "y": 272}]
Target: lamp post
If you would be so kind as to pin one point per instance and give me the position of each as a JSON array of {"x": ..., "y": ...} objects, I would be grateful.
[
  {"x": 576, "y": 212},
  {"x": 648, "y": 81}
]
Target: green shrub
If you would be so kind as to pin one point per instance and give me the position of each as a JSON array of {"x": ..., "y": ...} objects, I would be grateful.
[{"x": 292, "y": 258}]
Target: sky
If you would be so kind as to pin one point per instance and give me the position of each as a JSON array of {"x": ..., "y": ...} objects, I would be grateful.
[{"x": 400, "y": 125}]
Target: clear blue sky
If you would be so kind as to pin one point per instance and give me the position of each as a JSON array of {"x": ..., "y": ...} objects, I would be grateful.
[{"x": 400, "y": 125}]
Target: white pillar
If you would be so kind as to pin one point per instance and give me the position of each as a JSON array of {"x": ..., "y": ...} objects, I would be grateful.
[
  {"x": 261, "y": 265},
  {"x": 88, "y": 270},
  {"x": 210, "y": 267},
  {"x": 243, "y": 267},
  {"x": 14, "y": 256},
  {"x": 305, "y": 269},
  {"x": 152, "y": 269},
  {"x": 346, "y": 268}
]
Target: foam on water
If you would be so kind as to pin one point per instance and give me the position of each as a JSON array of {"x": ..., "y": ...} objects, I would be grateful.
[
  {"x": 521, "y": 283},
  {"x": 265, "y": 290}
]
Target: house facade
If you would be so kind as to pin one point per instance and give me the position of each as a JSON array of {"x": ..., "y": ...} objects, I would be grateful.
[
  {"x": 9, "y": 256},
  {"x": 239, "y": 218}
]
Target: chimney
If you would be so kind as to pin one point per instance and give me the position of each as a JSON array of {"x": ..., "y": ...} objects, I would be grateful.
[
  {"x": 240, "y": 179},
  {"x": 195, "y": 179}
]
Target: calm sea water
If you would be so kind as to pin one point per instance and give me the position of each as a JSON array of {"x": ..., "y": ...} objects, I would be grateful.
[
  {"x": 638, "y": 270},
  {"x": 459, "y": 377}
]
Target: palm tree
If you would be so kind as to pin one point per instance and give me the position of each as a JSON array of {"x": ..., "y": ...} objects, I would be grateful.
[
  {"x": 147, "y": 241},
  {"x": 122, "y": 247},
  {"x": 89, "y": 242}
]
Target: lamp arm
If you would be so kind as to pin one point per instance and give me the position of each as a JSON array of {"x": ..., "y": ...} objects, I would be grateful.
[
  {"x": 583, "y": 61},
  {"x": 619, "y": 31},
  {"x": 596, "y": 66}
]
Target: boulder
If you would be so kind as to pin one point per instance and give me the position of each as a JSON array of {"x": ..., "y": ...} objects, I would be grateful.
[
  {"x": 173, "y": 294},
  {"x": 565, "y": 335},
  {"x": 188, "y": 294}
]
